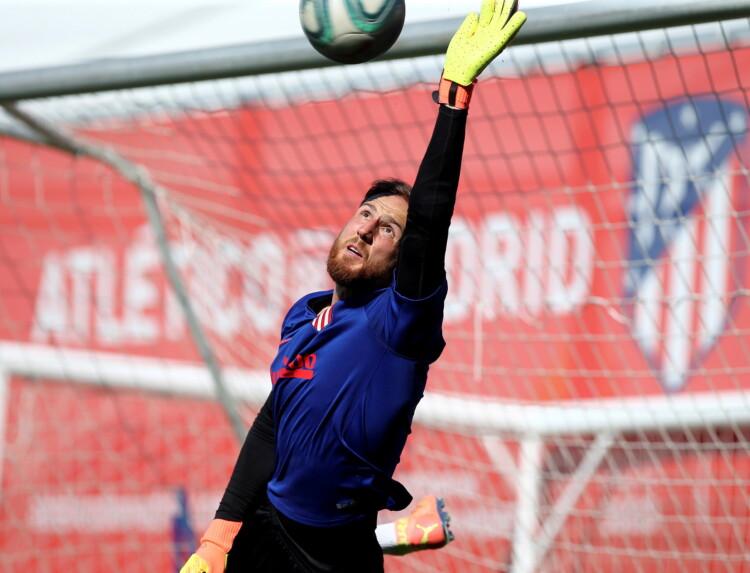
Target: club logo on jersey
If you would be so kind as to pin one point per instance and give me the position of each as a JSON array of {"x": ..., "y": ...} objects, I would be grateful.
[{"x": 683, "y": 244}]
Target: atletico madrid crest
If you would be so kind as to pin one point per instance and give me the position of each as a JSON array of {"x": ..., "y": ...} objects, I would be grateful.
[{"x": 685, "y": 240}]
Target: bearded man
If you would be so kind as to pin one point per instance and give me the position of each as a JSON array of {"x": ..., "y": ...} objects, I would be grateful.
[{"x": 352, "y": 362}]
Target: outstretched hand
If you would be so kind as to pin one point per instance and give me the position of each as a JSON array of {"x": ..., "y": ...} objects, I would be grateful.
[{"x": 480, "y": 38}]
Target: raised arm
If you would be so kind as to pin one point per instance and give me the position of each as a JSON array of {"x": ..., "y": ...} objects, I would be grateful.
[
  {"x": 421, "y": 260},
  {"x": 477, "y": 42}
]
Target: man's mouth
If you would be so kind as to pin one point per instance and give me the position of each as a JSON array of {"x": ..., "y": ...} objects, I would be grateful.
[{"x": 353, "y": 249}]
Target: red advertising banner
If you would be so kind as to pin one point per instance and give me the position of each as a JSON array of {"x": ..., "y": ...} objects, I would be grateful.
[{"x": 581, "y": 193}]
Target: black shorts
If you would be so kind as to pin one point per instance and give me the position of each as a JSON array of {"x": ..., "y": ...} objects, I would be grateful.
[{"x": 271, "y": 543}]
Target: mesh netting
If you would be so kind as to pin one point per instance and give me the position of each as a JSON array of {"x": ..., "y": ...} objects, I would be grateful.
[{"x": 590, "y": 410}]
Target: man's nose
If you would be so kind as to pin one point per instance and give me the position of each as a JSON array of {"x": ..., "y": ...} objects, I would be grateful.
[{"x": 366, "y": 230}]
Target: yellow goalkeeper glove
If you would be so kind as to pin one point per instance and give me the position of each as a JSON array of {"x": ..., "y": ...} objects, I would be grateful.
[
  {"x": 477, "y": 42},
  {"x": 211, "y": 556}
]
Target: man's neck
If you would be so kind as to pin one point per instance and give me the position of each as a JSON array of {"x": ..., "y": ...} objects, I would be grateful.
[
  {"x": 340, "y": 293},
  {"x": 344, "y": 292}
]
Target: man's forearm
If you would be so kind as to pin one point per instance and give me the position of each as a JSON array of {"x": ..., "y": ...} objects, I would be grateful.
[
  {"x": 253, "y": 469},
  {"x": 422, "y": 252}
]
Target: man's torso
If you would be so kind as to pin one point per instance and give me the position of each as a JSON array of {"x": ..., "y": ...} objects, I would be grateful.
[{"x": 344, "y": 399}]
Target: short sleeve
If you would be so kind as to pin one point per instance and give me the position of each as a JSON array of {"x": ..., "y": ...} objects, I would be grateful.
[{"x": 412, "y": 328}]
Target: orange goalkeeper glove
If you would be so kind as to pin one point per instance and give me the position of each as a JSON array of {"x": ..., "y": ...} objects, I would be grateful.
[
  {"x": 477, "y": 42},
  {"x": 211, "y": 556}
]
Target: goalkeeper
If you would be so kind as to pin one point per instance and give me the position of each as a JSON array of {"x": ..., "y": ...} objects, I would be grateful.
[{"x": 352, "y": 363}]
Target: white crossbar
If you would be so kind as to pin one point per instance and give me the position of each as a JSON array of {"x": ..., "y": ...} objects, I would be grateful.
[{"x": 464, "y": 413}]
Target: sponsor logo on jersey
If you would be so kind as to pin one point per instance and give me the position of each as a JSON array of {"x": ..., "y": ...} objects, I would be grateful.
[
  {"x": 682, "y": 271},
  {"x": 301, "y": 366}
]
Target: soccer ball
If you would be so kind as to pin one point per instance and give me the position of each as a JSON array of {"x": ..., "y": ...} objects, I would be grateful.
[{"x": 352, "y": 31}]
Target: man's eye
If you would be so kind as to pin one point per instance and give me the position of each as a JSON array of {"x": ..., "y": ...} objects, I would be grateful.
[
  {"x": 387, "y": 230},
  {"x": 365, "y": 214}
]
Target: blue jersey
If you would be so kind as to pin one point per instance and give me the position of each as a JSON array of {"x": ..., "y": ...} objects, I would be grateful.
[{"x": 346, "y": 383}]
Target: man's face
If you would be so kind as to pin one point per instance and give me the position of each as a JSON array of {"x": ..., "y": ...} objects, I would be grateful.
[{"x": 364, "y": 254}]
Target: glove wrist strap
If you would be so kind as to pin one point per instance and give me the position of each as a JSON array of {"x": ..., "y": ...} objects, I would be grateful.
[
  {"x": 222, "y": 533},
  {"x": 453, "y": 94}
]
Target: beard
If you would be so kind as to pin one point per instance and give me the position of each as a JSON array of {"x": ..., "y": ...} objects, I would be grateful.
[{"x": 370, "y": 275}]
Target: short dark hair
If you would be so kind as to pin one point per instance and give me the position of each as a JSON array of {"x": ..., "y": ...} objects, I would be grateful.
[{"x": 385, "y": 187}]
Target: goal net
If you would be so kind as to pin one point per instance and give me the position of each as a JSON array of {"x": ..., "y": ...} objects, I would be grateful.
[{"x": 591, "y": 411}]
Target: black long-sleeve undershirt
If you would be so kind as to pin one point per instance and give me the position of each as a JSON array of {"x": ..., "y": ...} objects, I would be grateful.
[
  {"x": 420, "y": 270},
  {"x": 421, "y": 262},
  {"x": 253, "y": 469}
]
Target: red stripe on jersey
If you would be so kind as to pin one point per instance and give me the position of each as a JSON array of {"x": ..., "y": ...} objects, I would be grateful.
[
  {"x": 327, "y": 316},
  {"x": 323, "y": 319}
]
